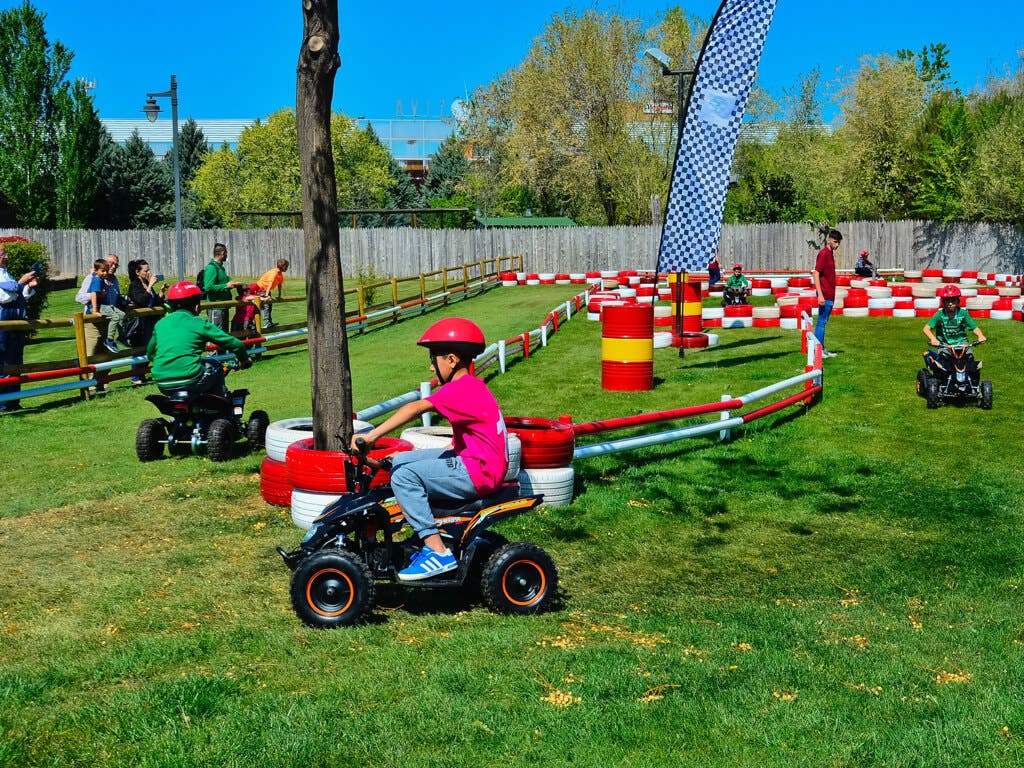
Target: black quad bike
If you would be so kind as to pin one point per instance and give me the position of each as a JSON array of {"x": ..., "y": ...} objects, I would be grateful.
[
  {"x": 954, "y": 375},
  {"x": 352, "y": 545},
  {"x": 209, "y": 421},
  {"x": 734, "y": 296}
]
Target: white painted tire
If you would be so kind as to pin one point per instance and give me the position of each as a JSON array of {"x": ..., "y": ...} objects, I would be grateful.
[
  {"x": 515, "y": 456},
  {"x": 307, "y": 506},
  {"x": 662, "y": 339},
  {"x": 281, "y": 434},
  {"x": 428, "y": 437},
  {"x": 555, "y": 483}
]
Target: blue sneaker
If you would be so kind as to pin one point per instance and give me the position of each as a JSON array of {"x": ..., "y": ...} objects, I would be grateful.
[
  {"x": 111, "y": 345},
  {"x": 427, "y": 563}
]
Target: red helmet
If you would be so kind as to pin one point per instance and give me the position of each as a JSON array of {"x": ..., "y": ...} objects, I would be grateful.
[
  {"x": 454, "y": 332},
  {"x": 184, "y": 290},
  {"x": 949, "y": 292},
  {"x": 863, "y": 253},
  {"x": 737, "y": 266}
]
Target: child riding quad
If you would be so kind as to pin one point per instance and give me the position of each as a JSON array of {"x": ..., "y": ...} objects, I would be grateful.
[
  {"x": 448, "y": 496},
  {"x": 736, "y": 287},
  {"x": 192, "y": 391},
  {"x": 951, "y": 372}
]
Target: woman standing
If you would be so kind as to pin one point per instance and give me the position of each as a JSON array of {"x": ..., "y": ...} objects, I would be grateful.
[{"x": 141, "y": 295}]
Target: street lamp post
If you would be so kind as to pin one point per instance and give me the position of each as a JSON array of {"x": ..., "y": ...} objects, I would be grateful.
[
  {"x": 152, "y": 109},
  {"x": 662, "y": 58}
]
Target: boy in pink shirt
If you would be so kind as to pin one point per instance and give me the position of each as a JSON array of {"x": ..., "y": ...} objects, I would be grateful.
[{"x": 478, "y": 459}]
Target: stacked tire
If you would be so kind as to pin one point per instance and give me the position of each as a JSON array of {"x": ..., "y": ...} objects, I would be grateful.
[
  {"x": 441, "y": 437},
  {"x": 275, "y": 486},
  {"x": 318, "y": 478},
  {"x": 545, "y": 465}
]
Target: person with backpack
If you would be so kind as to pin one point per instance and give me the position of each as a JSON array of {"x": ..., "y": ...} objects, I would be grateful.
[{"x": 216, "y": 285}]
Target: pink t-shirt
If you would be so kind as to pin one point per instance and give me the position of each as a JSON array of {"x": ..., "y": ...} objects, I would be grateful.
[{"x": 478, "y": 430}]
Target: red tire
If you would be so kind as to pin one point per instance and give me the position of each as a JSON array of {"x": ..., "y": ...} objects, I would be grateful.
[
  {"x": 545, "y": 442},
  {"x": 324, "y": 471},
  {"x": 274, "y": 485}
]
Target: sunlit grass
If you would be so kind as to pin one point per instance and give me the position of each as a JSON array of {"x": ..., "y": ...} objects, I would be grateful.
[{"x": 836, "y": 586}]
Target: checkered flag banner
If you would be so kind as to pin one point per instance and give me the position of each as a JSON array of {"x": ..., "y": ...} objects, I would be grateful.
[{"x": 718, "y": 97}]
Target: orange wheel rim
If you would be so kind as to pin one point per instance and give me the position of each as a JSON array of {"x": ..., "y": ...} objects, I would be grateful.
[
  {"x": 321, "y": 581},
  {"x": 527, "y": 581}
]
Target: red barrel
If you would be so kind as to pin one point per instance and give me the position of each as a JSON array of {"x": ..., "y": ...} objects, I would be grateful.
[
  {"x": 692, "y": 305},
  {"x": 627, "y": 347}
]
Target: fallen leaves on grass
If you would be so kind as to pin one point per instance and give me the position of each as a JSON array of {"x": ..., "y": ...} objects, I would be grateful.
[
  {"x": 743, "y": 647},
  {"x": 942, "y": 677},
  {"x": 1005, "y": 731},
  {"x": 914, "y": 605},
  {"x": 556, "y": 697},
  {"x": 786, "y": 695},
  {"x": 580, "y": 630},
  {"x": 657, "y": 692},
  {"x": 874, "y": 690}
]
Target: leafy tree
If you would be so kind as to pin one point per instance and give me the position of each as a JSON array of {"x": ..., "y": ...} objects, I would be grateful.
[
  {"x": 263, "y": 173},
  {"x": 516, "y": 200},
  {"x": 944, "y": 150},
  {"x": 31, "y": 70},
  {"x": 192, "y": 148},
  {"x": 932, "y": 64},
  {"x": 880, "y": 109}
]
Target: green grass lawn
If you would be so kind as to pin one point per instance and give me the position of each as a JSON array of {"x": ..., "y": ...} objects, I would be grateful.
[{"x": 839, "y": 586}]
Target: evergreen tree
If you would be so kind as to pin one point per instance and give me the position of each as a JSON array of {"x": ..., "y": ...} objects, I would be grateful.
[
  {"x": 78, "y": 136},
  {"x": 192, "y": 151},
  {"x": 448, "y": 168},
  {"x": 109, "y": 209},
  {"x": 147, "y": 186}
]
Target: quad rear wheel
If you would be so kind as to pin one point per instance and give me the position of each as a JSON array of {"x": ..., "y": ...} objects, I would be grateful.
[
  {"x": 519, "y": 579},
  {"x": 256, "y": 429},
  {"x": 148, "y": 445},
  {"x": 332, "y": 588}
]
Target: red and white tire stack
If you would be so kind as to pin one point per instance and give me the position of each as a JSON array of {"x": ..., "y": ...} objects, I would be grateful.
[{"x": 547, "y": 446}]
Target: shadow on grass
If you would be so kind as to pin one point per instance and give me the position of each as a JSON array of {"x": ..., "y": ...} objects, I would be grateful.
[{"x": 740, "y": 360}]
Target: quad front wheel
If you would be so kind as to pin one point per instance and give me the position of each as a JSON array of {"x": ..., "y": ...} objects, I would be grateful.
[
  {"x": 332, "y": 588},
  {"x": 986, "y": 394},
  {"x": 148, "y": 439},
  {"x": 931, "y": 393},
  {"x": 922, "y": 382},
  {"x": 519, "y": 579},
  {"x": 221, "y": 440}
]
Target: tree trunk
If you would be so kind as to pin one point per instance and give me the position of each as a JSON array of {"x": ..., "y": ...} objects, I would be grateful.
[{"x": 331, "y": 379}]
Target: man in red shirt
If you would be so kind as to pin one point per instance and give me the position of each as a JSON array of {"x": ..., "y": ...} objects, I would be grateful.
[{"x": 824, "y": 274}]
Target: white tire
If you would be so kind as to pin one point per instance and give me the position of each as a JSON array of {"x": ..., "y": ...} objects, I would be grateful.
[
  {"x": 515, "y": 456},
  {"x": 662, "y": 339},
  {"x": 428, "y": 437},
  {"x": 281, "y": 434},
  {"x": 555, "y": 483},
  {"x": 307, "y": 506}
]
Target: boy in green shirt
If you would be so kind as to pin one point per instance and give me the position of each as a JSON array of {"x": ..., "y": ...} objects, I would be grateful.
[
  {"x": 736, "y": 286},
  {"x": 950, "y": 324},
  {"x": 177, "y": 348}
]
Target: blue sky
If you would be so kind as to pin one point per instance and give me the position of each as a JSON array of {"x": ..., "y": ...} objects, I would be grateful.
[{"x": 236, "y": 59}]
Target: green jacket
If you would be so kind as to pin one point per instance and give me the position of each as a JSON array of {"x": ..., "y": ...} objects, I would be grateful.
[
  {"x": 215, "y": 282},
  {"x": 178, "y": 345},
  {"x": 952, "y": 330},
  {"x": 737, "y": 281}
]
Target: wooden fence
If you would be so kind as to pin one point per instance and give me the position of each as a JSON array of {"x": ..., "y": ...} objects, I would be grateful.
[{"x": 405, "y": 251}]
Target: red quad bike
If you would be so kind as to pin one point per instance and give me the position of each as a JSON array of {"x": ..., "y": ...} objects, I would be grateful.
[
  {"x": 954, "y": 375},
  {"x": 210, "y": 421},
  {"x": 352, "y": 545}
]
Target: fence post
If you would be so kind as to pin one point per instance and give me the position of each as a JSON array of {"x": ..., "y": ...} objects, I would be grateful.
[
  {"x": 361, "y": 301},
  {"x": 501, "y": 355},
  {"x": 725, "y": 434},
  {"x": 423, "y": 293},
  {"x": 425, "y": 393},
  {"x": 544, "y": 334},
  {"x": 78, "y": 321},
  {"x": 394, "y": 299},
  {"x": 444, "y": 283}
]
